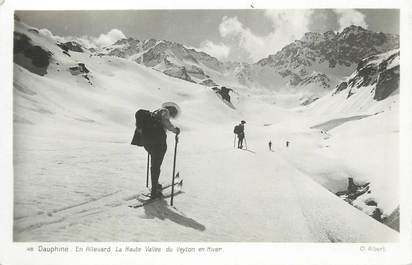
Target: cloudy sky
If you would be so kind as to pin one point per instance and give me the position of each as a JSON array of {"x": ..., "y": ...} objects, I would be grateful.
[{"x": 237, "y": 35}]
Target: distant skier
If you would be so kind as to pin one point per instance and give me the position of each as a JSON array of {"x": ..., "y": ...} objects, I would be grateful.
[
  {"x": 240, "y": 132},
  {"x": 270, "y": 145},
  {"x": 287, "y": 143},
  {"x": 150, "y": 133}
]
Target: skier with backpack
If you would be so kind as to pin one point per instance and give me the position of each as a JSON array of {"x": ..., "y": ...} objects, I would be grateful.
[
  {"x": 239, "y": 130},
  {"x": 150, "y": 133}
]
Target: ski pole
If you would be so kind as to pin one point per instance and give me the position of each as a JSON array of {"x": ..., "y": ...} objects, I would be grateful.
[
  {"x": 234, "y": 141},
  {"x": 245, "y": 143},
  {"x": 174, "y": 168},
  {"x": 147, "y": 170}
]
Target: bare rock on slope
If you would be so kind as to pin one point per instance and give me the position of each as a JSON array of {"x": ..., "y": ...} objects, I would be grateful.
[{"x": 32, "y": 57}]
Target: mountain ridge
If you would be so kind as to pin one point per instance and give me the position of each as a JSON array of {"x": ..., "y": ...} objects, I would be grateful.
[
  {"x": 308, "y": 68},
  {"x": 321, "y": 59}
]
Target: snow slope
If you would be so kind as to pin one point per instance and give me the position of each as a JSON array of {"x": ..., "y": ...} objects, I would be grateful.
[
  {"x": 359, "y": 130},
  {"x": 75, "y": 171},
  {"x": 220, "y": 203}
]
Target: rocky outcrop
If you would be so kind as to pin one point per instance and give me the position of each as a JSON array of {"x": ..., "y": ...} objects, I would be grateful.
[
  {"x": 393, "y": 220},
  {"x": 342, "y": 86},
  {"x": 308, "y": 101},
  {"x": 196, "y": 72},
  {"x": 32, "y": 57},
  {"x": 320, "y": 79},
  {"x": 388, "y": 82},
  {"x": 367, "y": 75},
  {"x": 178, "y": 72},
  {"x": 208, "y": 82},
  {"x": 381, "y": 72},
  {"x": 80, "y": 68},
  {"x": 70, "y": 46},
  {"x": 353, "y": 191},
  {"x": 223, "y": 92},
  {"x": 357, "y": 195}
]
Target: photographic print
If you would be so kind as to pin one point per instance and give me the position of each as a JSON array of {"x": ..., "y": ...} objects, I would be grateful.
[{"x": 223, "y": 125}]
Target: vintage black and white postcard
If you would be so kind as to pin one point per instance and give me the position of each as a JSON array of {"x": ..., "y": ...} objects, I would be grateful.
[{"x": 243, "y": 133}]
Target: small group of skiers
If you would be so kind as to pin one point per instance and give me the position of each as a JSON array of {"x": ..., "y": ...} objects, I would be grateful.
[
  {"x": 239, "y": 131},
  {"x": 150, "y": 133}
]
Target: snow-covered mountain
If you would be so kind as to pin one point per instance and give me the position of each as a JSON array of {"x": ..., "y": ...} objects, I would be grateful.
[
  {"x": 75, "y": 171},
  {"x": 342, "y": 49},
  {"x": 307, "y": 68},
  {"x": 313, "y": 65},
  {"x": 171, "y": 58},
  {"x": 373, "y": 87}
]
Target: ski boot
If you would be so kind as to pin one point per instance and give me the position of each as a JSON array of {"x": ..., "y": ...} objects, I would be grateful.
[{"x": 157, "y": 192}]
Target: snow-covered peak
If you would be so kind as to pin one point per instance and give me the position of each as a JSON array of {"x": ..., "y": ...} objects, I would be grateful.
[
  {"x": 345, "y": 48},
  {"x": 127, "y": 41},
  {"x": 332, "y": 55},
  {"x": 171, "y": 58}
]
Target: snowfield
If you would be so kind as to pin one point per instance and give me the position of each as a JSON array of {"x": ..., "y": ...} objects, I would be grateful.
[{"x": 75, "y": 172}]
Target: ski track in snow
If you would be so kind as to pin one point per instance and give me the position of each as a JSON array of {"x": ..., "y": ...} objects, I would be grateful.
[
  {"x": 229, "y": 194},
  {"x": 247, "y": 196}
]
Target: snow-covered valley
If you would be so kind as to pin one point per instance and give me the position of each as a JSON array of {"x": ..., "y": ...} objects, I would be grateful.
[{"x": 75, "y": 172}]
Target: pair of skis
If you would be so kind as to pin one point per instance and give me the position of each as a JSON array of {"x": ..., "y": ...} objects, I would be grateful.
[{"x": 144, "y": 197}]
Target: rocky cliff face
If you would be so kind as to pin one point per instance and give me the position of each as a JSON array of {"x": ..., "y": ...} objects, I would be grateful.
[
  {"x": 70, "y": 46},
  {"x": 123, "y": 48},
  {"x": 379, "y": 73},
  {"x": 330, "y": 55},
  {"x": 341, "y": 49}
]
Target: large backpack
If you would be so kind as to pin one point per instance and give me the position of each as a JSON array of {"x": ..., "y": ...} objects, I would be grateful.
[
  {"x": 237, "y": 129},
  {"x": 148, "y": 128}
]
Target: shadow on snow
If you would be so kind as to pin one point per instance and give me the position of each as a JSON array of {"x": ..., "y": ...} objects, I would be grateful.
[{"x": 161, "y": 210}]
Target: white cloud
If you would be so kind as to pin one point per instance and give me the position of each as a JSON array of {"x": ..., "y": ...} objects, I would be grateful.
[
  {"x": 287, "y": 26},
  {"x": 109, "y": 38},
  {"x": 233, "y": 28},
  {"x": 89, "y": 42},
  {"x": 220, "y": 51},
  {"x": 47, "y": 33},
  {"x": 348, "y": 17},
  {"x": 230, "y": 26}
]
